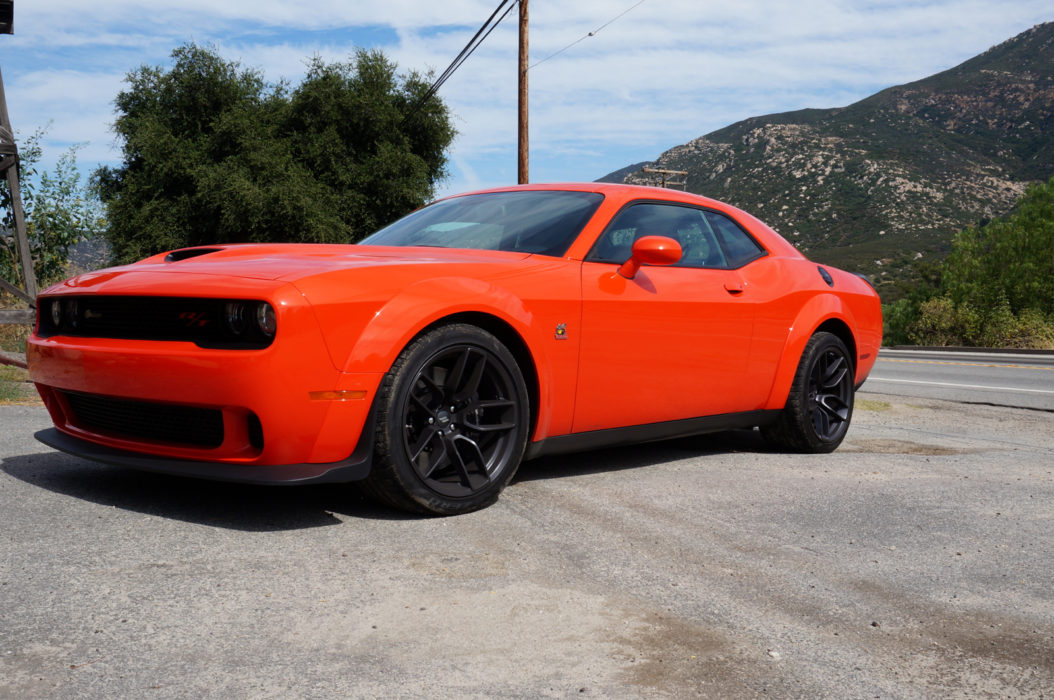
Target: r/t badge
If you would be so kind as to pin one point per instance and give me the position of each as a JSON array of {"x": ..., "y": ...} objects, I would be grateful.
[{"x": 561, "y": 331}]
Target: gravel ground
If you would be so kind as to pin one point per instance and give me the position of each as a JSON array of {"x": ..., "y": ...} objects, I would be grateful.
[{"x": 916, "y": 561}]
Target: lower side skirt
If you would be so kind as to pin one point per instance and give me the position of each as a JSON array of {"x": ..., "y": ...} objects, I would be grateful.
[{"x": 651, "y": 432}]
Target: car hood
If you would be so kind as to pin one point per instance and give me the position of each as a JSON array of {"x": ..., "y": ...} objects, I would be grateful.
[{"x": 292, "y": 262}]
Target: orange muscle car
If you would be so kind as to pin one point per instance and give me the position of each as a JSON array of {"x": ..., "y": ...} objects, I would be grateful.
[{"x": 476, "y": 332}]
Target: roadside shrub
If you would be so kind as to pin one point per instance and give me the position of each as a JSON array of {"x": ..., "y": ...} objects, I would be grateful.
[
  {"x": 1032, "y": 330},
  {"x": 938, "y": 323},
  {"x": 897, "y": 319}
]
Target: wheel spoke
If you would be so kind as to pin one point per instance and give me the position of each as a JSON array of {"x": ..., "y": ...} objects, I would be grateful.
[
  {"x": 422, "y": 442},
  {"x": 430, "y": 385},
  {"x": 493, "y": 403},
  {"x": 439, "y": 459},
  {"x": 421, "y": 402},
  {"x": 459, "y": 461},
  {"x": 823, "y": 423},
  {"x": 834, "y": 373},
  {"x": 471, "y": 384},
  {"x": 453, "y": 379},
  {"x": 834, "y": 407},
  {"x": 476, "y": 454},
  {"x": 490, "y": 427}
]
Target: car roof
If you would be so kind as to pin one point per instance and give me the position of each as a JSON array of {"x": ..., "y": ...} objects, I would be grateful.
[{"x": 619, "y": 190}]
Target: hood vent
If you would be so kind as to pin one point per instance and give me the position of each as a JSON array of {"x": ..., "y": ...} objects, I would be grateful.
[{"x": 187, "y": 253}]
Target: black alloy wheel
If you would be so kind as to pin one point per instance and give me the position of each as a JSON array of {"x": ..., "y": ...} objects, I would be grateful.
[
  {"x": 454, "y": 423},
  {"x": 830, "y": 394},
  {"x": 820, "y": 405},
  {"x": 459, "y": 423}
]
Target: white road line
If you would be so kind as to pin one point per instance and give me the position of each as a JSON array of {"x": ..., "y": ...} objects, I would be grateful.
[{"x": 960, "y": 386}]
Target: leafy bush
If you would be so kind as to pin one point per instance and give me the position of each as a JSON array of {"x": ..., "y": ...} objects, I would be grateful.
[
  {"x": 59, "y": 211},
  {"x": 213, "y": 154},
  {"x": 995, "y": 289}
]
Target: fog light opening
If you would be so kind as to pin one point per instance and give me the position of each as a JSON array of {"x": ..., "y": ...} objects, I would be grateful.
[{"x": 256, "y": 438}]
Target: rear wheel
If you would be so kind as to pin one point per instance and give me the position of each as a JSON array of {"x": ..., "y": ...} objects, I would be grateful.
[
  {"x": 820, "y": 405},
  {"x": 452, "y": 423}
]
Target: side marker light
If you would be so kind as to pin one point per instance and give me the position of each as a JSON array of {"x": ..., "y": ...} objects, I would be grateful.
[{"x": 347, "y": 395}]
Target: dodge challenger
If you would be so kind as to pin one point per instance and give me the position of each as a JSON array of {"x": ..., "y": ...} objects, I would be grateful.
[{"x": 430, "y": 359}]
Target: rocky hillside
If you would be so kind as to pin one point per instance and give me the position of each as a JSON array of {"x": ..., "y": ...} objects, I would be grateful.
[{"x": 890, "y": 179}]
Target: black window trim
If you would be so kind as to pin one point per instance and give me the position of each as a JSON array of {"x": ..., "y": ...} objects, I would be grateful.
[{"x": 763, "y": 252}]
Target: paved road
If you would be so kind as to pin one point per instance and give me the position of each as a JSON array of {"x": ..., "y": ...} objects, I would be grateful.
[
  {"x": 1002, "y": 379},
  {"x": 915, "y": 562}
]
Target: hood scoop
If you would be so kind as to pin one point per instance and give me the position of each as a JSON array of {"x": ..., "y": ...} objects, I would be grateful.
[{"x": 187, "y": 253}]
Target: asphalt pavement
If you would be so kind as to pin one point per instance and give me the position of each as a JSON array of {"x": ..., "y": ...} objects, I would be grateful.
[
  {"x": 914, "y": 562},
  {"x": 1014, "y": 379}
]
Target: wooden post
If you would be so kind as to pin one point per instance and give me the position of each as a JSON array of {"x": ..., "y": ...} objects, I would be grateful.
[
  {"x": 664, "y": 173},
  {"x": 522, "y": 169},
  {"x": 9, "y": 163}
]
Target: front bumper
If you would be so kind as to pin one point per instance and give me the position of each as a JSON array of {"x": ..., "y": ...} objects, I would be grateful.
[{"x": 277, "y": 407}]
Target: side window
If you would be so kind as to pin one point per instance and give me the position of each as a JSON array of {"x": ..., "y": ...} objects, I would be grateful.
[
  {"x": 686, "y": 225},
  {"x": 738, "y": 246}
]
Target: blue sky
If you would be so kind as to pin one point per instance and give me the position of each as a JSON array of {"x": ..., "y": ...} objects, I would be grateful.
[{"x": 664, "y": 73}]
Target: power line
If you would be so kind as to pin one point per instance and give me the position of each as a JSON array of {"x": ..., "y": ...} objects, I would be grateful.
[
  {"x": 484, "y": 31},
  {"x": 586, "y": 36}
]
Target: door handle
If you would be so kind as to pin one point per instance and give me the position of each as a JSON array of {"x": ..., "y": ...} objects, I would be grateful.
[{"x": 734, "y": 287}]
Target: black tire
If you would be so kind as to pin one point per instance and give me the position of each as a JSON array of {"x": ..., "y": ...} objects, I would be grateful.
[
  {"x": 820, "y": 405},
  {"x": 452, "y": 423}
]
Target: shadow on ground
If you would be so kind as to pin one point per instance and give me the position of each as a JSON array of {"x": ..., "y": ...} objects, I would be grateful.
[{"x": 275, "y": 508}]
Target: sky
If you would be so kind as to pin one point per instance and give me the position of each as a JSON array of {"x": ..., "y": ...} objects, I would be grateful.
[{"x": 662, "y": 73}]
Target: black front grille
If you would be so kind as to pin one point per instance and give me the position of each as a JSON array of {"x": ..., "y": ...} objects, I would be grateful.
[
  {"x": 143, "y": 420},
  {"x": 191, "y": 319}
]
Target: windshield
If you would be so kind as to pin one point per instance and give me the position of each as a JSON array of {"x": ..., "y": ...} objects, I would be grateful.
[{"x": 544, "y": 222}]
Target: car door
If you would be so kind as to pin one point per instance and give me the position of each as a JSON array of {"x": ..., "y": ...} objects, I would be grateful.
[{"x": 672, "y": 342}]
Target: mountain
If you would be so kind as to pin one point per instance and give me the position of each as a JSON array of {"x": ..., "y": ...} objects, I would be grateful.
[{"x": 890, "y": 179}]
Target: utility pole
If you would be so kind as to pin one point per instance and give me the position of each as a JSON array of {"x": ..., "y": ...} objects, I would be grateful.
[
  {"x": 667, "y": 173},
  {"x": 522, "y": 168},
  {"x": 9, "y": 170}
]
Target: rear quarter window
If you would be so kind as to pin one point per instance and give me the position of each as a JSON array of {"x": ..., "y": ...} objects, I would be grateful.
[{"x": 739, "y": 246}]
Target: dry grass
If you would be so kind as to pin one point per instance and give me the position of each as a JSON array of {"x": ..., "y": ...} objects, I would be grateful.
[{"x": 15, "y": 389}]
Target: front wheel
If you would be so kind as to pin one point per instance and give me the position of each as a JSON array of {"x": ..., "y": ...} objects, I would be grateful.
[
  {"x": 452, "y": 423},
  {"x": 820, "y": 405}
]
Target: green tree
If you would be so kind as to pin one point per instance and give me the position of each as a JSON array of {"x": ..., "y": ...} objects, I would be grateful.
[
  {"x": 214, "y": 154},
  {"x": 995, "y": 288},
  {"x": 60, "y": 211},
  {"x": 1008, "y": 259}
]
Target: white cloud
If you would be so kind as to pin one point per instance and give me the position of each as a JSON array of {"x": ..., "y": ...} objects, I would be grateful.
[{"x": 666, "y": 72}]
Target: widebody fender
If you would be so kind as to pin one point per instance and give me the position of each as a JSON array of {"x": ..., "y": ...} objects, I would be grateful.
[
  {"x": 372, "y": 335},
  {"x": 817, "y": 311}
]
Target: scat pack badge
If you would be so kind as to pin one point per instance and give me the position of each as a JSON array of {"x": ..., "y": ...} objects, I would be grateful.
[{"x": 561, "y": 331}]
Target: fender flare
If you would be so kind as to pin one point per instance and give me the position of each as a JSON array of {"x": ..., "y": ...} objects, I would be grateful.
[
  {"x": 430, "y": 301},
  {"x": 818, "y": 311}
]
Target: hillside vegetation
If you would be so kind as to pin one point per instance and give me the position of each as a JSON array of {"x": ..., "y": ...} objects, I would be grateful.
[
  {"x": 887, "y": 181},
  {"x": 995, "y": 288}
]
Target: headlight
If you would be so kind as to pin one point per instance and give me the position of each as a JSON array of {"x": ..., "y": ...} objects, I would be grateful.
[
  {"x": 235, "y": 317},
  {"x": 72, "y": 308},
  {"x": 55, "y": 310},
  {"x": 265, "y": 319}
]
